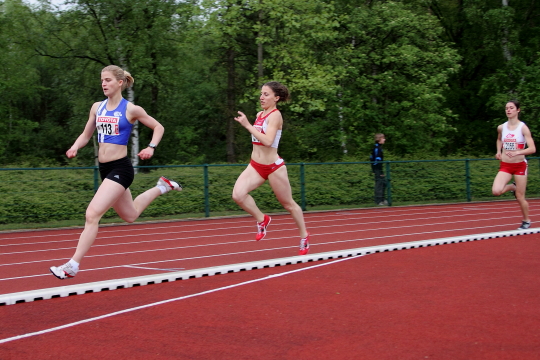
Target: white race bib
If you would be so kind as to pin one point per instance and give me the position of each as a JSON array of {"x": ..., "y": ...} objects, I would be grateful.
[
  {"x": 108, "y": 125},
  {"x": 510, "y": 145},
  {"x": 259, "y": 129}
]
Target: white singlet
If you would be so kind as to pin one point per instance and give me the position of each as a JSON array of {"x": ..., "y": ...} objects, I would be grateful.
[
  {"x": 513, "y": 139},
  {"x": 261, "y": 124}
]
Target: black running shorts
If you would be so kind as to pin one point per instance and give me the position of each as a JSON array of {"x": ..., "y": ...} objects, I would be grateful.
[{"x": 120, "y": 171}]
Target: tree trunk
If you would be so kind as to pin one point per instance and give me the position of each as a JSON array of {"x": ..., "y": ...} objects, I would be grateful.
[
  {"x": 231, "y": 104},
  {"x": 134, "y": 133},
  {"x": 342, "y": 132},
  {"x": 260, "y": 61},
  {"x": 260, "y": 49},
  {"x": 135, "y": 129},
  {"x": 96, "y": 151},
  {"x": 506, "y": 52}
]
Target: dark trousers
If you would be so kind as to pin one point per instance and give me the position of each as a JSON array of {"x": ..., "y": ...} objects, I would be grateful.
[{"x": 380, "y": 185}]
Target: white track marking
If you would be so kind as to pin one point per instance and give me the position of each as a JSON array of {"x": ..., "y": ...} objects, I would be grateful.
[
  {"x": 273, "y": 239},
  {"x": 238, "y": 234},
  {"x": 364, "y": 213},
  {"x": 227, "y": 254},
  {"x": 251, "y": 232},
  {"x": 41, "y": 332},
  {"x": 158, "y": 261},
  {"x": 150, "y": 268}
]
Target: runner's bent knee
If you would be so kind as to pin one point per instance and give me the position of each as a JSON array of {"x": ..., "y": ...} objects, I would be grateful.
[
  {"x": 92, "y": 215},
  {"x": 239, "y": 196},
  {"x": 290, "y": 206}
]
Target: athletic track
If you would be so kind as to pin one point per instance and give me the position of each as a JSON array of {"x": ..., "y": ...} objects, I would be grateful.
[{"x": 463, "y": 300}]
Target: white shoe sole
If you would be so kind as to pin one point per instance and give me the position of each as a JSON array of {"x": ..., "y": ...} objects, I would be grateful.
[{"x": 60, "y": 274}]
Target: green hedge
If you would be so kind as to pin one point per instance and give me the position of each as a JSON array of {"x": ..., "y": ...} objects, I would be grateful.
[{"x": 31, "y": 197}]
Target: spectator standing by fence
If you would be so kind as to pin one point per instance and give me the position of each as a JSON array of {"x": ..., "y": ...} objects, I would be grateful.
[{"x": 377, "y": 158}]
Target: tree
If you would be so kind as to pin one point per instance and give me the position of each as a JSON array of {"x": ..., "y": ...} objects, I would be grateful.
[
  {"x": 90, "y": 34},
  {"x": 300, "y": 40},
  {"x": 394, "y": 68},
  {"x": 496, "y": 42},
  {"x": 19, "y": 84}
]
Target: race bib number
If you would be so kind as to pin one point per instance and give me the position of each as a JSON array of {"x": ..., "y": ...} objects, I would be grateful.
[
  {"x": 259, "y": 129},
  {"x": 108, "y": 125},
  {"x": 512, "y": 145}
]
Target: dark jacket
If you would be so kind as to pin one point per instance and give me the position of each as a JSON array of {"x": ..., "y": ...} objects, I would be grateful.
[{"x": 377, "y": 157}]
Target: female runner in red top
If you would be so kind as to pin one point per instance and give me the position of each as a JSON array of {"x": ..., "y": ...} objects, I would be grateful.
[
  {"x": 267, "y": 165},
  {"x": 513, "y": 143}
]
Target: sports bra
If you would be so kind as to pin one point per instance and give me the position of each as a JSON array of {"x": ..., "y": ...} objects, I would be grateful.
[
  {"x": 261, "y": 124},
  {"x": 113, "y": 126},
  {"x": 513, "y": 139}
]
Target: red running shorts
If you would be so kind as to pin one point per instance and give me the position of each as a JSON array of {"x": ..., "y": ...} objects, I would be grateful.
[
  {"x": 519, "y": 168},
  {"x": 266, "y": 170}
]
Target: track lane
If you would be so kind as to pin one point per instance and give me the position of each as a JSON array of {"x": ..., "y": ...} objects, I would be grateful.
[{"x": 143, "y": 249}]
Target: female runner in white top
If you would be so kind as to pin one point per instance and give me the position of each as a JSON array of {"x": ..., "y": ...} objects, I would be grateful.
[{"x": 513, "y": 143}]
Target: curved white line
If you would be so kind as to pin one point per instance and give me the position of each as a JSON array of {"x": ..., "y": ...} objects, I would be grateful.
[{"x": 41, "y": 332}]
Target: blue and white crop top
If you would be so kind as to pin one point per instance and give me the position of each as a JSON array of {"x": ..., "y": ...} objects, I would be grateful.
[{"x": 112, "y": 126}]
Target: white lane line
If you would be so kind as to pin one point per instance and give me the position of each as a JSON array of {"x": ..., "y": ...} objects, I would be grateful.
[
  {"x": 273, "y": 239},
  {"x": 159, "y": 261},
  {"x": 151, "y": 268},
  {"x": 363, "y": 214},
  {"x": 379, "y": 223},
  {"x": 141, "y": 307},
  {"x": 236, "y": 253}
]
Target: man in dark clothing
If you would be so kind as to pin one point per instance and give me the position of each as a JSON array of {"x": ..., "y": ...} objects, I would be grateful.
[{"x": 377, "y": 159}]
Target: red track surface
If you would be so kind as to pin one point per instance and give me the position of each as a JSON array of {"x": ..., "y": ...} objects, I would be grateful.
[
  {"x": 136, "y": 250},
  {"x": 476, "y": 300}
]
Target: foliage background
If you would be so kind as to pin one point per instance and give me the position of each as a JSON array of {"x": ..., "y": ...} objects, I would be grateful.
[
  {"x": 433, "y": 75},
  {"x": 53, "y": 197}
]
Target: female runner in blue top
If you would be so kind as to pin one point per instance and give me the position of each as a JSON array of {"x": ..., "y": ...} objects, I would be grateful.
[
  {"x": 113, "y": 119},
  {"x": 267, "y": 165}
]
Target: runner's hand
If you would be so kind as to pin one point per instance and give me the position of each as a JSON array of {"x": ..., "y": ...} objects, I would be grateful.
[
  {"x": 242, "y": 119},
  {"x": 146, "y": 154},
  {"x": 71, "y": 153}
]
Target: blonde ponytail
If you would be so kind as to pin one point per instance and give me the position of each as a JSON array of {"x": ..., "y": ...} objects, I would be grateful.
[{"x": 129, "y": 80}]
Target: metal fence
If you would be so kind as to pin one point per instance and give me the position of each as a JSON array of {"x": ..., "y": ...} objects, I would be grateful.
[{"x": 48, "y": 195}]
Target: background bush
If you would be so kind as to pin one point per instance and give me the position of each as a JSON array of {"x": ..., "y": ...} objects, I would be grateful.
[{"x": 59, "y": 196}]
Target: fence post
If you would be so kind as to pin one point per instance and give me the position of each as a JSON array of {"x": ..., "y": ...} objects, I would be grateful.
[
  {"x": 206, "y": 192},
  {"x": 468, "y": 179},
  {"x": 388, "y": 184},
  {"x": 96, "y": 177},
  {"x": 302, "y": 187}
]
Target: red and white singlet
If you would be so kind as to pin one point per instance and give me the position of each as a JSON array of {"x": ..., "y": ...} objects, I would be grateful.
[
  {"x": 261, "y": 124},
  {"x": 513, "y": 139}
]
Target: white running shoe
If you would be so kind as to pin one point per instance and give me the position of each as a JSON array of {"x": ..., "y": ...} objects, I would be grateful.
[
  {"x": 62, "y": 272},
  {"x": 169, "y": 184}
]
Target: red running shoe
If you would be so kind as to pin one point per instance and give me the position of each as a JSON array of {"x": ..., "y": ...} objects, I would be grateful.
[
  {"x": 261, "y": 227},
  {"x": 304, "y": 245}
]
